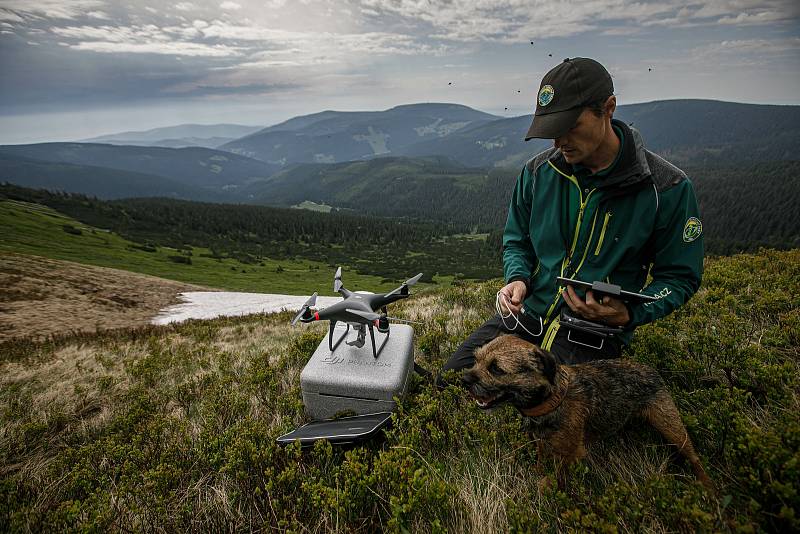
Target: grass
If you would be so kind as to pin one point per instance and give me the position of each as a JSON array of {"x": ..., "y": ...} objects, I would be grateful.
[
  {"x": 173, "y": 427},
  {"x": 38, "y": 230},
  {"x": 41, "y": 297}
]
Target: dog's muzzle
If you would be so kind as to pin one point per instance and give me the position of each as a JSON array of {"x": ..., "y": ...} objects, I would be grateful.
[{"x": 484, "y": 397}]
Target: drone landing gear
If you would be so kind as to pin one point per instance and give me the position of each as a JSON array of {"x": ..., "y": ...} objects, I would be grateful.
[
  {"x": 359, "y": 341},
  {"x": 331, "y": 346},
  {"x": 372, "y": 337}
]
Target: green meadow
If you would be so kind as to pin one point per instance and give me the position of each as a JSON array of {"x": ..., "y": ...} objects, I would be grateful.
[{"x": 39, "y": 230}]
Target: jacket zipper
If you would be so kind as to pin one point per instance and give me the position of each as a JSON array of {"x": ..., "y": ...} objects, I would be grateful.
[
  {"x": 552, "y": 329},
  {"x": 588, "y": 246},
  {"x": 568, "y": 258},
  {"x": 602, "y": 233}
]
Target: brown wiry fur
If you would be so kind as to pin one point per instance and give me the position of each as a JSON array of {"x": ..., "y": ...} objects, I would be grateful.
[{"x": 565, "y": 407}]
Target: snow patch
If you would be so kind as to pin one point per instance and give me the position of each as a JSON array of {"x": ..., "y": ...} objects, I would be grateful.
[
  {"x": 210, "y": 304},
  {"x": 324, "y": 158},
  {"x": 376, "y": 140},
  {"x": 493, "y": 143},
  {"x": 438, "y": 129}
]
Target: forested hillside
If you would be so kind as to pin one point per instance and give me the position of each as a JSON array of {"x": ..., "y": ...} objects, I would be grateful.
[
  {"x": 428, "y": 189},
  {"x": 192, "y": 166},
  {"x": 100, "y": 182},
  {"x": 749, "y": 206},
  {"x": 743, "y": 206},
  {"x": 388, "y": 248}
]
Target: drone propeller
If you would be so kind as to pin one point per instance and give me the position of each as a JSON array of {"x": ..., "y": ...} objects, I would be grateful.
[
  {"x": 337, "y": 280},
  {"x": 405, "y": 285},
  {"x": 304, "y": 309},
  {"x": 412, "y": 281},
  {"x": 369, "y": 316}
]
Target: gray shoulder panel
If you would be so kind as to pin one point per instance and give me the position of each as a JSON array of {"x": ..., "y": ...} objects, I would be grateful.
[
  {"x": 665, "y": 174},
  {"x": 536, "y": 161}
]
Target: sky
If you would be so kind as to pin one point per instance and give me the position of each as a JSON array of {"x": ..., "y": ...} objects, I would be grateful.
[{"x": 72, "y": 69}]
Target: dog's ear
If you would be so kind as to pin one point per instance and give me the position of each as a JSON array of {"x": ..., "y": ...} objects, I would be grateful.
[{"x": 545, "y": 363}]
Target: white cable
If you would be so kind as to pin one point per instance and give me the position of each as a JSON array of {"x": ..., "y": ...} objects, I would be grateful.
[{"x": 503, "y": 318}]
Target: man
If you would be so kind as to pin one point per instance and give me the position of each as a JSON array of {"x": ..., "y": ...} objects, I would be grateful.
[{"x": 597, "y": 206}]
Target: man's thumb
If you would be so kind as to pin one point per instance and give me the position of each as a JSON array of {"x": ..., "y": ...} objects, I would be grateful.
[{"x": 516, "y": 296}]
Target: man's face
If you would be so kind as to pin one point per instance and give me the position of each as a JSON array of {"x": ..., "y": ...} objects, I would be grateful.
[{"x": 581, "y": 142}]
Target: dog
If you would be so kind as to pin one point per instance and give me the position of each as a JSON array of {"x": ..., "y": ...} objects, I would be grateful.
[{"x": 566, "y": 407}]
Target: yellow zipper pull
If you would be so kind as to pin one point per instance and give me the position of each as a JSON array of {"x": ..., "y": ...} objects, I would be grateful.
[{"x": 603, "y": 233}]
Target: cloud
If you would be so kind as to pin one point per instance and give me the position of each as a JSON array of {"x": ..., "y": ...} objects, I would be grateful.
[
  {"x": 756, "y": 50},
  {"x": 227, "y": 89},
  {"x": 762, "y": 17},
  {"x": 285, "y": 47},
  {"x": 10, "y": 16},
  {"x": 724, "y": 57},
  {"x": 146, "y": 39},
  {"x": 171, "y": 48},
  {"x": 487, "y": 20},
  {"x": 622, "y": 31},
  {"x": 520, "y": 20},
  {"x": 98, "y": 15},
  {"x": 727, "y": 12},
  {"x": 253, "y": 47},
  {"x": 52, "y": 9}
]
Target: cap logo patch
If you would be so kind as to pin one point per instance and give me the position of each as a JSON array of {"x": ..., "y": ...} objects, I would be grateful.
[
  {"x": 546, "y": 94},
  {"x": 692, "y": 230}
]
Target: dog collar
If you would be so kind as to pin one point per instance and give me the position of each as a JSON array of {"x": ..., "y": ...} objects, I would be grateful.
[{"x": 552, "y": 402}]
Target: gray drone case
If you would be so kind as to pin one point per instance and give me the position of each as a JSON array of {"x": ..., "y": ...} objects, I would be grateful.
[{"x": 351, "y": 380}]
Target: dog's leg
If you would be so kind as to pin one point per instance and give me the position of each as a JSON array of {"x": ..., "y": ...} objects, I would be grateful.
[
  {"x": 662, "y": 413},
  {"x": 568, "y": 444},
  {"x": 561, "y": 450}
]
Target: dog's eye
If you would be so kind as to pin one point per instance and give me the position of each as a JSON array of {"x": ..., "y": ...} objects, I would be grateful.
[{"x": 495, "y": 369}]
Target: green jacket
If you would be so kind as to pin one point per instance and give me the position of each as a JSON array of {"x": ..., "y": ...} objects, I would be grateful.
[{"x": 640, "y": 218}]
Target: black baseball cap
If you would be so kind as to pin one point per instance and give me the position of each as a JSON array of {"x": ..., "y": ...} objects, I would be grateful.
[{"x": 564, "y": 92}]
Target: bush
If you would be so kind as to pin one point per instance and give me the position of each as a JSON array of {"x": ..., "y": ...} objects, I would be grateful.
[
  {"x": 68, "y": 228},
  {"x": 180, "y": 259}
]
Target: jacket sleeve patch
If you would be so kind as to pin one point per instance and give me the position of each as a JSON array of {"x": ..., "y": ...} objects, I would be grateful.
[{"x": 692, "y": 229}]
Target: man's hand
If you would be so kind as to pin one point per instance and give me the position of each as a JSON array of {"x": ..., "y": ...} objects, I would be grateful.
[
  {"x": 608, "y": 310},
  {"x": 512, "y": 296}
]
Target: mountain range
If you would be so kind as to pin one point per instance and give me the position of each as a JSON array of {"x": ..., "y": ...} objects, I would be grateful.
[
  {"x": 200, "y": 172},
  {"x": 684, "y": 131},
  {"x": 183, "y": 135},
  {"x": 333, "y": 137},
  {"x": 324, "y": 156}
]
